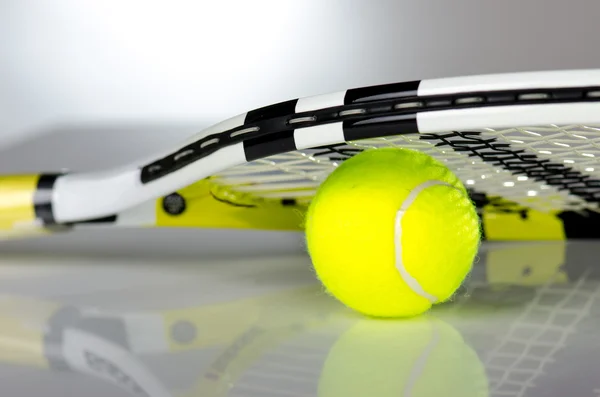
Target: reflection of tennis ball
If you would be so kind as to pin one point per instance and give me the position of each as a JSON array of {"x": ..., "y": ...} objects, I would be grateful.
[
  {"x": 416, "y": 357},
  {"x": 392, "y": 231}
]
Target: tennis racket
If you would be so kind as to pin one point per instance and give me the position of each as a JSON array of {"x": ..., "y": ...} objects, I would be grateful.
[{"x": 525, "y": 145}]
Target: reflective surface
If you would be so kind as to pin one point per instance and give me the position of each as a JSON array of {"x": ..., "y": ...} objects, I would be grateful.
[{"x": 524, "y": 324}]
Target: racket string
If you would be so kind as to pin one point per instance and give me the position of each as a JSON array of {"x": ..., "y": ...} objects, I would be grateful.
[{"x": 547, "y": 168}]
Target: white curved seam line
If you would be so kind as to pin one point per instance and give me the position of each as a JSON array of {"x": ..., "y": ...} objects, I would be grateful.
[
  {"x": 419, "y": 366},
  {"x": 412, "y": 283}
]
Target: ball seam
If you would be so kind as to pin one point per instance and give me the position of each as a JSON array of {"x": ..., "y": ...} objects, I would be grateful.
[{"x": 412, "y": 283}]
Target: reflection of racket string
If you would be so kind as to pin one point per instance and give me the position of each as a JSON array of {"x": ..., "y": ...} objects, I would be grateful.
[
  {"x": 521, "y": 356},
  {"x": 288, "y": 368}
]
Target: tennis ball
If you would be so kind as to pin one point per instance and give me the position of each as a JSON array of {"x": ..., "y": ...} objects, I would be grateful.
[
  {"x": 419, "y": 357},
  {"x": 391, "y": 232}
]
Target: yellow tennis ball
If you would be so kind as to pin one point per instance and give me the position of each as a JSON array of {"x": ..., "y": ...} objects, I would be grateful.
[
  {"x": 391, "y": 232},
  {"x": 420, "y": 357}
]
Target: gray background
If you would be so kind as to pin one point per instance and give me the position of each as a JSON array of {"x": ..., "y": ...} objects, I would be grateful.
[{"x": 86, "y": 84}]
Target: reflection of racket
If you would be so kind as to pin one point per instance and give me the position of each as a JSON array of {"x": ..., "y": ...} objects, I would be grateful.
[
  {"x": 276, "y": 356},
  {"x": 111, "y": 347},
  {"x": 508, "y": 275},
  {"x": 525, "y": 144},
  {"x": 47, "y": 335},
  {"x": 92, "y": 355}
]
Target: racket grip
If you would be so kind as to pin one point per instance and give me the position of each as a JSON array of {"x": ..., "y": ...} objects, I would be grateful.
[{"x": 24, "y": 199}]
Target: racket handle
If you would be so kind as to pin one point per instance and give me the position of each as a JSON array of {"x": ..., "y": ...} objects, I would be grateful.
[{"x": 24, "y": 201}]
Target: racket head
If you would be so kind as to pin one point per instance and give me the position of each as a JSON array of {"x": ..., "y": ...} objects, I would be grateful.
[
  {"x": 524, "y": 144},
  {"x": 529, "y": 137}
]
